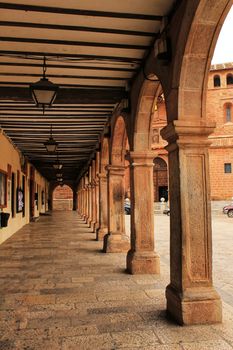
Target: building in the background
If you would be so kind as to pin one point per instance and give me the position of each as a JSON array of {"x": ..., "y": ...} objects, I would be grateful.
[
  {"x": 219, "y": 107},
  {"x": 62, "y": 198}
]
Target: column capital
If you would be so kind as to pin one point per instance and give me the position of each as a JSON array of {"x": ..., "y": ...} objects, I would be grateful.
[
  {"x": 102, "y": 175},
  {"x": 188, "y": 132},
  {"x": 115, "y": 169},
  {"x": 142, "y": 158}
]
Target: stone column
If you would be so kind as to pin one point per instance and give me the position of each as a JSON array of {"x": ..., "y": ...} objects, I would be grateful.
[
  {"x": 116, "y": 240},
  {"x": 85, "y": 203},
  {"x": 79, "y": 195},
  {"x": 82, "y": 194},
  {"x": 89, "y": 205},
  {"x": 96, "y": 226},
  {"x": 74, "y": 200},
  {"x": 141, "y": 258},
  {"x": 103, "y": 207},
  {"x": 191, "y": 297},
  {"x": 93, "y": 194}
]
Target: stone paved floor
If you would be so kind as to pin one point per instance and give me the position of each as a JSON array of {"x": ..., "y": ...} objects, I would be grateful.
[{"x": 59, "y": 291}]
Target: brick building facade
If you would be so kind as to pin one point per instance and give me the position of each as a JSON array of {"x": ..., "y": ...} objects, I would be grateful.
[{"x": 219, "y": 108}]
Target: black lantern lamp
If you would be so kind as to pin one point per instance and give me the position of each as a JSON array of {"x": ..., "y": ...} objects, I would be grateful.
[
  {"x": 57, "y": 165},
  {"x": 58, "y": 175},
  {"x": 51, "y": 145},
  {"x": 44, "y": 91}
]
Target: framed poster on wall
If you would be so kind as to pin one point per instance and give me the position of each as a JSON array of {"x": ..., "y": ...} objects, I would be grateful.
[
  {"x": 19, "y": 200},
  {"x": 3, "y": 189}
]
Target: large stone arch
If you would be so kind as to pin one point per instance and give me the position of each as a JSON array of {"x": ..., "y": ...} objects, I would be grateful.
[
  {"x": 119, "y": 141},
  {"x": 62, "y": 197},
  {"x": 54, "y": 184},
  {"x": 191, "y": 288},
  {"x": 116, "y": 239},
  {"x": 198, "y": 51}
]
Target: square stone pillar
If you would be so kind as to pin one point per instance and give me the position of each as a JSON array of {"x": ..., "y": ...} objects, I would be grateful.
[
  {"x": 89, "y": 205},
  {"x": 96, "y": 225},
  {"x": 97, "y": 170},
  {"x": 191, "y": 297},
  {"x": 93, "y": 194},
  {"x": 141, "y": 258},
  {"x": 116, "y": 240},
  {"x": 103, "y": 207},
  {"x": 86, "y": 203},
  {"x": 93, "y": 219}
]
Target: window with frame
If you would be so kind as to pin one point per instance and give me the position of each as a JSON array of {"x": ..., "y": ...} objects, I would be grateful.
[
  {"x": 229, "y": 79},
  {"x": 228, "y": 113},
  {"x": 217, "y": 81},
  {"x": 227, "y": 168}
]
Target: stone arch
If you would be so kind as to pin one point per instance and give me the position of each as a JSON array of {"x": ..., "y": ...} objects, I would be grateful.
[
  {"x": 104, "y": 154},
  {"x": 200, "y": 43},
  {"x": 120, "y": 148},
  {"x": 144, "y": 113},
  {"x": 62, "y": 197},
  {"x": 53, "y": 185},
  {"x": 187, "y": 135},
  {"x": 119, "y": 141},
  {"x": 160, "y": 177},
  {"x": 116, "y": 240}
]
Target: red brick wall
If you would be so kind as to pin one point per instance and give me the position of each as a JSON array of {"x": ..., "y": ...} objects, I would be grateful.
[
  {"x": 63, "y": 198},
  {"x": 221, "y": 150},
  {"x": 221, "y": 184}
]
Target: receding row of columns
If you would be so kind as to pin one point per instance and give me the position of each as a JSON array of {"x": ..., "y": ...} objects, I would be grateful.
[
  {"x": 101, "y": 196},
  {"x": 191, "y": 297}
]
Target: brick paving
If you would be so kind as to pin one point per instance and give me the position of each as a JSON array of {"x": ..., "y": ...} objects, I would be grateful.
[{"x": 59, "y": 291}]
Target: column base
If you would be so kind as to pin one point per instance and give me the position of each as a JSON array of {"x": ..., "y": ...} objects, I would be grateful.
[
  {"x": 92, "y": 225},
  {"x": 96, "y": 226},
  {"x": 100, "y": 233},
  {"x": 116, "y": 243},
  {"x": 143, "y": 262},
  {"x": 89, "y": 222},
  {"x": 195, "y": 306}
]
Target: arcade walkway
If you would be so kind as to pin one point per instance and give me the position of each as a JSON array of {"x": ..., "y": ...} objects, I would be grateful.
[{"x": 59, "y": 291}]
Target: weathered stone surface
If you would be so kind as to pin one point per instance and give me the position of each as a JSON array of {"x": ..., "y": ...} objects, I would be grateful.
[{"x": 97, "y": 305}]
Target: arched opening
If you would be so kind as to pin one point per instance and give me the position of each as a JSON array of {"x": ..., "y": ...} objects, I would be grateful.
[
  {"x": 217, "y": 81},
  {"x": 160, "y": 178},
  {"x": 116, "y": 240},
  {"x": 230, "y": 79},
  {"x": 189, "y": 136},
  {"x": 62, "y": 198},
  {"x": 160, "y": 171}
]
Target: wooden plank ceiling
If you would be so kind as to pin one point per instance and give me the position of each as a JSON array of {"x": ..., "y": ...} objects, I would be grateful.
[{"x": 92, "y": 48}]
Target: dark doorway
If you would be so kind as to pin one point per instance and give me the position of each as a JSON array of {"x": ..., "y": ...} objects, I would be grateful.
[
  {"x": 32, "y": 199},
  {"x": 23, "y": 189},
  {"x": 163, "y": 192},
  {"x": 13, "y": 195}
]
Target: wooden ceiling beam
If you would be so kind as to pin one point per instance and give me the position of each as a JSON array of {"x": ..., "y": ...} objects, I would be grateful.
[
  {"x": 70, "y": 95},
  {"x": 79, "y": 12}
]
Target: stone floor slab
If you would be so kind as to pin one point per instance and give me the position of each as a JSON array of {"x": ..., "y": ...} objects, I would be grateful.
[{"x": 59, "y": 291}]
